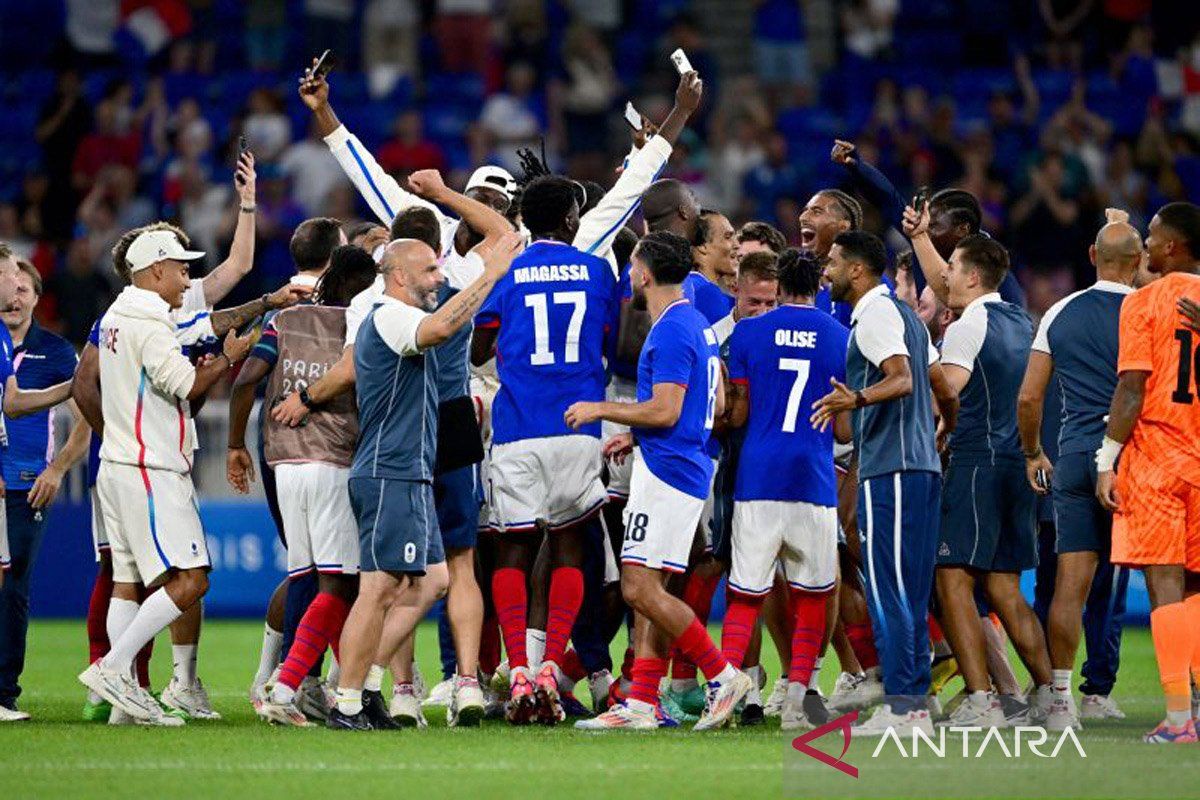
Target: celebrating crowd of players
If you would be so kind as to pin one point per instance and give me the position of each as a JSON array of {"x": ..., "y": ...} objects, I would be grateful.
[{"x": 507, "y": 398}]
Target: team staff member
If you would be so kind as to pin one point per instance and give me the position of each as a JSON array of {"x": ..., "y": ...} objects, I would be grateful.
[
  {"x": 899, "y": 471},
  {"x": 31, "y": 482}
]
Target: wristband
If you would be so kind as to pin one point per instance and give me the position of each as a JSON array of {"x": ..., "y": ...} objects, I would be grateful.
[
  {"x": 1034, "y": 454},
  {"x": 249, "y": 210},
  {"x": 1106, "y": 456},
  {"x": 860, "y": 399},
  {"x": 305, "y": 399}
]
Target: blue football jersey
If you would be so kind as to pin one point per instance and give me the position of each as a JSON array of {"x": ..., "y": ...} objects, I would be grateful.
[
  {"x": 553, "y": 309},
  {"x": 707, "y": 298},
  {"x": 682, "y": 349},
  {"x": 786, "y": 358}
]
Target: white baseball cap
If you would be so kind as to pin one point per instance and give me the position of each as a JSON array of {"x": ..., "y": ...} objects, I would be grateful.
[
  {"x": 490, "y": 177},
  {"x": 153, "y": 246}
]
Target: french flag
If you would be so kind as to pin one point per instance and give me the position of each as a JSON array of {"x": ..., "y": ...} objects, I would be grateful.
[{"x": 149, "y": 26}]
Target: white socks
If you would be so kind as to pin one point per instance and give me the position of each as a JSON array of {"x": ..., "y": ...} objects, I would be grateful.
[
  {"x": 349, "y": 701},
  {"x": 796, "y": 692},
  {"x": 1060, "y": 680},
  {"x": 979, "y": 700},
  {"x": 535, "y": 648},
  {"x": 374, "y": 679},
  {"x": 156, "y": 613},
  {"x": 183, "y": 657},
  {"x": 268, "y": 657}
]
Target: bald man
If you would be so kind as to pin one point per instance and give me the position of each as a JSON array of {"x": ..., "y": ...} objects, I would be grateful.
[
  {"x": 391, "y": 479},
  {"x": 669, "y": 205},
  {"x": 1078, "y": 339}
]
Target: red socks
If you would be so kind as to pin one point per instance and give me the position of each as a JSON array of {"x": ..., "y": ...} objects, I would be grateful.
[
  {"x": 862, "y": 642},
  {"x": 566, "y": 596},
  {"x": 320, "y": 627},
  {"x": 97, "y": 615},
  {"x": 627, "y": 663},
  {"x": 809, "y": 611},
  {"x": 698, "y": 594},
  {"x": 512, "y": 602},
  {"x": 697, "y": 646},
  {"x": 647, "y": 674},
  {"x": 738, "y": 627}
]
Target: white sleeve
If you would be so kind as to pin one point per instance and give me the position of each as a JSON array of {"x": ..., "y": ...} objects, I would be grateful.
[
  {"x": 194, "y": 328},
  {"x": 964, "y": 339},
  {"x": 167, "y": 368},
  {"x": 397, "y": 324},
  {"x": 934, "y": 355},
  {"x": 356, "y": 312},
  {"x": 598, "y": 227},
  {"x": 880, "y": 333},
  {"x": 1041, "y": 339},
  {"x": 381, "y": 191},
  {"x": 193, "y": 299}
]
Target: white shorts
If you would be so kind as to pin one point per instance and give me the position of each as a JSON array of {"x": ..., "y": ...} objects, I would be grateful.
[
  {"x": 801, "y": 536},
  {"x": 620, "y": 390},
  {"x": 710, "y": 507},
  {"x": 99, "y": 534},
  {"x": 318, "y": 521},
  {"x": 660, "y": 522},
  {"x": 152, "y": 522},
  {"x": 555, "y": 479}
]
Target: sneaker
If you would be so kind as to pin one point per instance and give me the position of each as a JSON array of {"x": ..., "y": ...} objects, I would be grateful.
[
  {"x": 856, "y": 692},
  {"x": 405, "y": 707},
  {"x": 191, "y": 700},
  {"x": 665, "y": 720},
  {"x": 690, "y": 701},
  {"x": 572, "y": 707},
  {"x": 347, "y": 722},
  {"x": 814, "y": 707},
  {"x": 162, "y": 716},
  {"x": 12, "y": 715},
  {"x": 598, "y": 685},
  {"x": 722, "y": 697},
  {"x": 502, "y": 679},
  {"x": 670, "y": 706},
  {"x": 522, "y": 707},
  {"x": 119, "y": 717},
  {"x": 969, "y": 714},
  {"x": 545, "y": 693},
  {"x": 97, "y": 712},
  {"x": 774, "y": 706},
  {"x": 793, "y": 718},
  {"x": 283, "y": 714},
  {"x": 752, "y": 714},
  {"x": 377, "y": 711},
  {"x": 1101, "y": 706},
  {"x": 312, "y": 699},
  {"x": 620, "y": 717},
  {"x": 1172, "y": 734},
  {"x": 441, "y": 694},
  {"x": 1016, "y": 710},
  {"x": 119, "y": 689},
  {"x": 1040, "y": 701},
  {"x": 259, "y": 694},
  {"x": 467, "y": 707},
  {"x": 493, "y": 704},
  {"x": 884, "y": 719},
  {"x": 1062, "y": 714}
]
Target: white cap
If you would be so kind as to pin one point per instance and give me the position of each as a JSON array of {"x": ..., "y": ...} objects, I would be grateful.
[
  {"x": 153, "y": 246},
  {"x": 490, "y": 177}
]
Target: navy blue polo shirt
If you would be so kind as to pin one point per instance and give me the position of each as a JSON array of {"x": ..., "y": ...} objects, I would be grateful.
[{"x": 41, "y": 361}]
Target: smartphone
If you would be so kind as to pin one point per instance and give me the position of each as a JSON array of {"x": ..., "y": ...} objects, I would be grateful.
[
  {"x": 1042, "y": 482},
  {"x": 243, "y": 146},
  {"x": 921, "y": 199},
  {"x": 632, "y": 116},
  {"x": 323, "y": 66},
  {"x": 680, "y": 60}
]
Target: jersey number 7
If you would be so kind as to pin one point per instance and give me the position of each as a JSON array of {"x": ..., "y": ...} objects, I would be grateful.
[
  {"x": 802, "y": 368},
  {"x": 542, "y": 354}
]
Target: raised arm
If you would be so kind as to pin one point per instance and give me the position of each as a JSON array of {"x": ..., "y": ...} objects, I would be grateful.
[
  {"x": 933, "y": 266},
  {"x": 227, "y": 274},
  {"x": 460, "y": 309},
  {"x": 230, "y": 319},
  {"x": 872, "y": 183},
  {"x": 483, "y": 219}
]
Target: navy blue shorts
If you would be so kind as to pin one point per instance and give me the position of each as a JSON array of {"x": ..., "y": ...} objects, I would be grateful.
[
  {"x": 1083, "y": 524},
  {"x": 989, "y": 515},
  {"x": 397, "y": 525},
  {"x": 457, "y": 497}
]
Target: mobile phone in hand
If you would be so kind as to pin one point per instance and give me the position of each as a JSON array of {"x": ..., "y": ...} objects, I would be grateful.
[
  {"x": 921, "y": 199},
  {"x": 243, "y": 147},
  {"x": 1042, "y": 482},
  {"x": 680, "y": 60},
  {"x": 632, "y": 116},
  {"x": 323, "y": 66}
]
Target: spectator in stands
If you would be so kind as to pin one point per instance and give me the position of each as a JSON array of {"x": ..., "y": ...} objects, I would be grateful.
[
  {"x": 82, "y": 292},
  {"x": 409, "y": 150},
  {"x": 509, "y": 118},
  {"x": 114, "y": 141},
  {"x": 266, "y": 33},
  {"x": 329, "y": 25},
  {"x": 1046, "y": 231},
  {"x": 462, "y": 28},
  {"x": 867, "y": 27},
  {"x": 776, "y": 178},
  {"x": 63, "y": 121},
  {"x": 391, "y": 35},
  {"x": 266, "y": 127},
  {"x": 733, "y": 158},
  {"x": 582, "y": 98},
  {"x": 313, "y": 171},
  {"x": 781, "y": 56}
]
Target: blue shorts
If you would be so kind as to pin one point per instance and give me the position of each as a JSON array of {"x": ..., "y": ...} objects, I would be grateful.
[
  {"x": 989, "y": 517},
  {"x": 457, "y": 497},
  {"x": 397, "y": 525},
  {"x": 1083, "y": 524}
]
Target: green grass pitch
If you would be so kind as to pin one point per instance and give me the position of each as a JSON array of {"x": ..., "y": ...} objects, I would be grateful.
[{"x": 59, "y": 756}]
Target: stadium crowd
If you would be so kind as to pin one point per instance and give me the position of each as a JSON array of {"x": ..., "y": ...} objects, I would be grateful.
[{"x": 576, "y": 409}]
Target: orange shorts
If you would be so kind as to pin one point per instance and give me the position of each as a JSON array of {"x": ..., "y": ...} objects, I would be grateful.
[{"x": 1159, "y": 517}]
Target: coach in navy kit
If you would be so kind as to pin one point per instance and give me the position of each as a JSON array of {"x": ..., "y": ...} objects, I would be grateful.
[
  {"x": 1076, "y": 344},
  {"x": 40, "y": 359},
  {"x": 899, "y": 472}
]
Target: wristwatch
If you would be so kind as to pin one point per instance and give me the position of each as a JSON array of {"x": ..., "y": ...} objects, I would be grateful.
[
  {"x": 860, "y": 399},
  {"x": 249, "y": 210},
  {"x": 305, "y": 399}
]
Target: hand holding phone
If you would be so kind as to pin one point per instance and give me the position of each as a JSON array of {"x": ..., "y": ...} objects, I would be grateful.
[
  {"x": 323, "y": 66},
  {"x": 243, "y": 147},
  {"x": 632, "y": 116},
  {"x": 921, "y": 199},
  {"x": 680, "y": 60}
]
